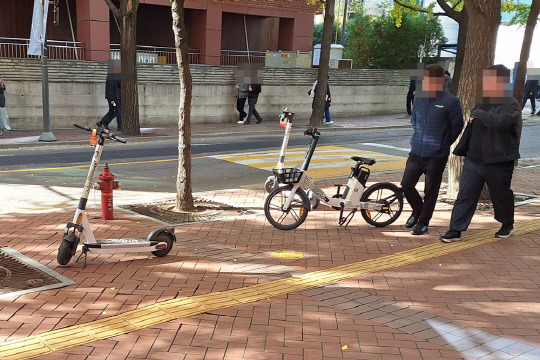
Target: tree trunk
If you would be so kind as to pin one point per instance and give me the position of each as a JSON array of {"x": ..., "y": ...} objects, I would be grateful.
[
  {"x": 460, "y": 53},
  {"x": 184, "y": 196},
  {"x": 484, "y": 19},
  {"x": 319, "y": 98},
  {"x": 128, "y": 53},
  {"x": 525, "y": 50}
]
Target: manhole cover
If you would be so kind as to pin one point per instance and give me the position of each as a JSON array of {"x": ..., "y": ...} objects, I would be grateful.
[
  {"x": 205, "y": 210},
  {"x": 19, "y": 275}
]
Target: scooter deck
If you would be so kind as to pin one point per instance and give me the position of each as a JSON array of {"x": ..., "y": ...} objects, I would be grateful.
[{"x": 122, "y": 241}]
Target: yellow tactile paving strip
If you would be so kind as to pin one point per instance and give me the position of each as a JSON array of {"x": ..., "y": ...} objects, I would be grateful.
[{"x": 51, "y": 341}]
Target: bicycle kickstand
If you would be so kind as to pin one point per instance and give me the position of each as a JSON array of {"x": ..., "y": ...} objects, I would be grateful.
[{"x": 347, "y": 219}]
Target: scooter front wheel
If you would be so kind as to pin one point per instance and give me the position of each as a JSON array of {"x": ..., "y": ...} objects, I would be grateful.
[
  {"x": 166, "y": 238},
  {"x": 390, "y": 199},
  {"x": 67, "y": 249},
  {"x": 291, "y": 217}
]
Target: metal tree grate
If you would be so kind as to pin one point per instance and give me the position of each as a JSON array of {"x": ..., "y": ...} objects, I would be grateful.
[{"x": 20, "y": 275}]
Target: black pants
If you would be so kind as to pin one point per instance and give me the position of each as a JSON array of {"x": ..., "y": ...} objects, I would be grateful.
[
  {"x": 410, "y": 101},
  {"x": 114, "y": 111},
  {"x": 528, "y": 96},
  {"x": 498, "y": 178},
  {"x": 252, "y": 100},
  {"x": 240, "y": 107},
  {"x": 432, "y": 168}
]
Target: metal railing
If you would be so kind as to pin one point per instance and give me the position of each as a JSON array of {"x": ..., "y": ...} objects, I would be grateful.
[
  {"x": 65, "y": 50},
  {"x": 235, "y": 57},
  {"x": 157, "y": 54}
]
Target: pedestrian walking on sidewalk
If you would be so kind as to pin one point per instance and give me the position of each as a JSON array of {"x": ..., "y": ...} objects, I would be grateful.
[
  {"x": 327, "y": 119},
  {"x": 447, "y": 81},
  {"x": 241, "y": 96},
  {"x": 410, "y": 95},
  {"x": 113, "y": 94},
  {"x": 253, "y": 95},
  {"x": 437, "y": 121},
  {"x": 529, "y": 93},
  {"x": 4, "y": 118},
  {"x": 490, "y": 144}
]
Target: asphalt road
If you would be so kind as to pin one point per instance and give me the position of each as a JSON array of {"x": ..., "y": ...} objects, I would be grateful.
[{"x": 152, "y": 166}]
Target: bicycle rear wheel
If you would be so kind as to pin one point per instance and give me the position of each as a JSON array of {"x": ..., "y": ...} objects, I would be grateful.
[
  {"x": 390, "y": 198},
  {"x": 291, "y": 217}
]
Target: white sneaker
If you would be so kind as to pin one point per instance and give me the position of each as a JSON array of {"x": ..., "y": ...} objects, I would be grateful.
[
  {"x": 240, "y": 122},
  {"x": 328, "y": 122}
]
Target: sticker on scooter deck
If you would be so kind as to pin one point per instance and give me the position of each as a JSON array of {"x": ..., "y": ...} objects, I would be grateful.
[
  {"x": 20, "y": 275},
  {"x": 328, "y": 161}
]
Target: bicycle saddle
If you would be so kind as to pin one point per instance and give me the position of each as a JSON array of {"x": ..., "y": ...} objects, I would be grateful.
[{"x": 363, "y": 160}]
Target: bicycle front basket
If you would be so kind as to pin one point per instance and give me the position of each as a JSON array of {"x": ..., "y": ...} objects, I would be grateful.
[{"x": 288, "y": 175}]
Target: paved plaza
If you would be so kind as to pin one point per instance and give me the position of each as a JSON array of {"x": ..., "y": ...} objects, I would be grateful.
[{"x": 227, "y": 290}]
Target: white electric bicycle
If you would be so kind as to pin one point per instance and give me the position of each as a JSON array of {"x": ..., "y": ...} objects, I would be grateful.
[
  {"x": 159, "y": 242},
  {"x": 287, "y": 206}
]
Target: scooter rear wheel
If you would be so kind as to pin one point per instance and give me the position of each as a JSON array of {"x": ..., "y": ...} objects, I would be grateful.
[
  {"x": 67, "y": 249},
  {"x": 166, "y": 238}
]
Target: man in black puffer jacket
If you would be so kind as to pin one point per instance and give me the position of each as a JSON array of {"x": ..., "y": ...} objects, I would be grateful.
[
  {"x": 437, "y": 120},
  {"x": 490, "y": 145}
]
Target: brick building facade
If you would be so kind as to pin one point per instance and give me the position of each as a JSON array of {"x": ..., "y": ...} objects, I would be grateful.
[{"x": 213, "y": 26}]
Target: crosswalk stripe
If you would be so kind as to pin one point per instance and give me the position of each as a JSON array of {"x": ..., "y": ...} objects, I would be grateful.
[{"x": 329, "y": 161}]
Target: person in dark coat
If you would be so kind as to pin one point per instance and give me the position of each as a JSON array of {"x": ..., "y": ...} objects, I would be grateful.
[
  {"x": 529, "y": 93},
  {"x": 113, "y": 94},
  {"x": 410, "y": 96},
  {"x": 437, "y": 121},
  {"x": 490, "y": 144},
  {"x": 253, "y": 95}
]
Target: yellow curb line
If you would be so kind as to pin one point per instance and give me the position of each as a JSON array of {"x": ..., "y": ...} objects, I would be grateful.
[{"x": 56, "y": 340}]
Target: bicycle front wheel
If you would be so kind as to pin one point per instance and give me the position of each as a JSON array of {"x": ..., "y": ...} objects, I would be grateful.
[
  {"x": 389, "y": 197},
  {"x": 291, "y": 217}
]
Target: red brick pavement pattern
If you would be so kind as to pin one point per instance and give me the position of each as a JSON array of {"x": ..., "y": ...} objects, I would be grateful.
[
  {"x": 493, "y": 287},
  {"x": 286, "y": 327}
]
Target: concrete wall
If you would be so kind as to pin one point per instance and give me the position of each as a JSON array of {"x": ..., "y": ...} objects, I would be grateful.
[{"x": 77, "y": 93}]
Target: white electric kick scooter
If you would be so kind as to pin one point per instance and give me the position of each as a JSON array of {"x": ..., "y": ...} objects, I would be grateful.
[{"x": 159, "y": 242}]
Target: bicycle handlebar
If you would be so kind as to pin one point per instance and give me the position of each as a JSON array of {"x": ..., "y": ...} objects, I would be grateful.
[{"x": 312, "y": 132}]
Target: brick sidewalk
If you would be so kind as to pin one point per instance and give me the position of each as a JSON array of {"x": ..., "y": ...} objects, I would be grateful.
[{"x": 478, "y": 303}]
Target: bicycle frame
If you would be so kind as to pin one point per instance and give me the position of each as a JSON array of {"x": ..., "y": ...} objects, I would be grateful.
[{"x": 353, "y": 190}]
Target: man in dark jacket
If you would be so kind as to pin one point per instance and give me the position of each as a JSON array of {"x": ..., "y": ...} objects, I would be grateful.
[
  {"x": 253, "y": 96},
  {"x": 490, "y": 145},
  {"x": 529, "y": 93},
  {"x": 437, "y": 121},
  {"x": 113, "y": 94}
]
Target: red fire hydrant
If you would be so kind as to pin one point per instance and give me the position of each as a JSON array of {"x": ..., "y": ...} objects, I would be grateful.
[{"x": 106, "y": 185}]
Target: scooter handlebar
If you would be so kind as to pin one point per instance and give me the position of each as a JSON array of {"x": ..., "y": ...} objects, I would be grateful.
[
  {"x": 118, "y": 138},
  {"x": 87, "y": 128}
]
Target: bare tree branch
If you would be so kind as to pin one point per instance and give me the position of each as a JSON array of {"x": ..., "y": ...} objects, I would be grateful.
[
  {"x": 113, "y": 8},
  {"x": 418, "y": 9},
  {"x": 450, "y": 11},
  {"x": 410, "y": 7}
]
